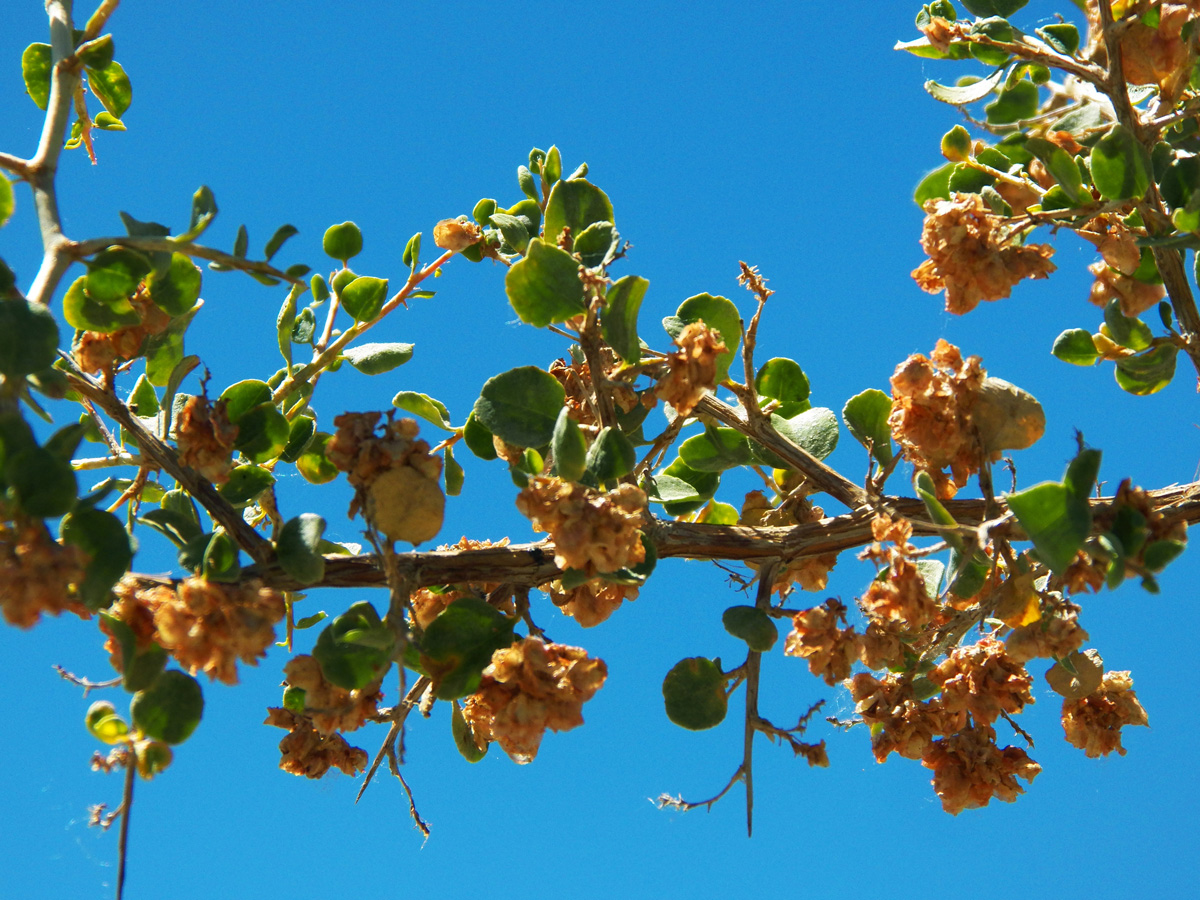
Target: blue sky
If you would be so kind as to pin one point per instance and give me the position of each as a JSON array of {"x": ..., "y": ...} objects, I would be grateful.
[{"x": 789, "y": 135}]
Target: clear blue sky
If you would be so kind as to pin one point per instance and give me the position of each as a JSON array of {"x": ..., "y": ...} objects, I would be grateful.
[{"x": 788, "y": 135}]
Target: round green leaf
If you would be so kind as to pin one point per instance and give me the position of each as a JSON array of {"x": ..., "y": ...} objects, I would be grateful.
[
  {"x": 243, "y": 396},
  {"x": 375, "y": 359},
  {"x": 355, "y": 649},
  {"x": 170, "y": 709},
  {"x": 866, "y": 416},
  {"x": 752, "y": 625},
  {"x": 298, "y": 548},
  {"x": 342, "y": 242},
  {"x": 815, "y": 430},
  {"x": 569, "y": 447},
  {"x": 1147, "y": 373},
  {"x": 575, "y": 204},
  {"x": 28, "y": 337},
  {"x": 694, "y": 694},
  {"x": 363, "y": 297},
  {"x": 341, "y": 279},
  {"x": 464, "y": 737},
  {"x": 458, "y": 645},
  {"x": 111, "y": 87},
  {"x": 35, "y": 69},
  {"x": 429, "y": 409},
  {"x": 102, "y": 536},
  {"x": 104, "y": 723},
  {"x": 176, "y": 290},
  {"x": 619, "y": 320},
  {"x": 44, "y": 482},
  {"x": 716, "y": 450},
  {"x": 313, "y": 464},
  {"x": 1075, "y": 346},
  {"x": 1014, "y": 104},
  {"x": 1120, "y": 165},
  {"x": 720, "y": 315},
  {"x": 782, "y": 379},
  {"x": 245, "y": 483},
  {"x": 300, "y": 435},
  {"x": 97, "y": 53},
  {"x": 521, "y": 406},
  {"x": 478, "y": 439},
  {"x": 1056, "y": 520},
  {"x": 610, "y": 456},
  {"x": 262, "y": 433},
  {"x": 89, "y": 314},
  {"x": 544, "y": 286}
]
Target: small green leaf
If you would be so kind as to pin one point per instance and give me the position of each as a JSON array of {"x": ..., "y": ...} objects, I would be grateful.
[
  {"x": 143, "y": 399},
  {"x": 1056, "y": 520},
  {"x": 521, "y": 406},
  {"x": 375, "y": 359},
  {"x": 170, "y": 709},
  {"x": 716, "y": 450},
  {"x": 670, "y": 489},
  {"x": 282, "y": 233},
  {"x": 114, "y": 274},
  {"x": 815, "y": 430},
  {"x": 1002, "y": 8},
  {"x": 934, "y": 186},
  {"x": 576, "y": 205},
  {"x": 454, "y": 474},
  {"x": 596, "y": 243},
  {"x": 28, "y": 337},
  {"x": 102, "y": 536},
  {"x": 1075, "y": 346},
  {"x": 298, "y": 548},
  {"x": 956, "y": 144},
  {"x": 245, "y": 484},
  {"x": 1159, "y": 553},
  {"x": 355, "y": 649},
  {"x": 782, "y": 379},
  {"x": 717, "y": 513},
  {"x": 704, "y": 483},
  {"x": 752, "y": 625},
  {"x": 1061, "y": 165},
  {"x": 96, "y": 53},
  {"x": 204, "y": 210},
  {"x": 513, "y": 229},
  {"x": 36, "y": 63},
  {"x": 313, "y": 464},
  {"x": 343, "y": 242},
  {"x": 1149, "y": 372},
  {"x": 111, "y": 87},
  {"x": 89, "y": 314},
  {"x": 464, "y": 736},
  {"x": 569, "y": 447},
  {"x": 866, "y": 417},
  {"x": 970, "y": 93},
  {"x": 363, "y": 298},
  {"x": 104, "y": 724},
  {"x": 619, "y": 318},
  {"x": 694, "y": 694},
  {"x": 412, "y": 252},
  {"x": 300, "y": 435},
  {"x": 164, "y": 352},
  {"x": 1014, "y": 104},
  {"x": 8, "y": 203},
  {"x": 1128, "y": 332},
  {"x": 320, "y": 291},
  {"x": 483, "y": 211},
  {"x": 458, "y": 645},
  {"x": 478, "y": 439},
  {"x": 219, "y": 561},
  {"x": 544, "y": 287},
  {"x": 243, "y": 396},
  {"x": 176, "y": 290},
  {"x": 429, "y": 409},
  {"x": 720, "y": 315},
  {"x": 44, "y": 482},
  {"x": 1062, "y": 37},
  {"x": 610, "y": 456},
  {"x": 1120, "y": 165},
  {"x": 552, "y": 166}
]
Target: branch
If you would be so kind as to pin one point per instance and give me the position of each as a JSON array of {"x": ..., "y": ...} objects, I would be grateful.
[{"x": 81, "y": 249}]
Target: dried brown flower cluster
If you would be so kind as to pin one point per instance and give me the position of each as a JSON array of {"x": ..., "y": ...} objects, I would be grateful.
[
  {"x": 1094, "y": 723},
  {"x": 819, "y": 635},
  {"x": 592, "y": 602},
  {"x": 1055, "y": 634},
  {"x": 972, "y": 256},
  {"x": 942, "y": 32},
  {"x": 96, "y": 351},
  {"x": 310, "y": 753},
  {"x": 981, "y": 680},
  {"x": 456, "y": 234},
  {"x": 330, "y": 707},
  {"x": 37, "y": 574},
  {"x": 811, "y": 573},
  {"x": 932, "y": 401},
  {"x": 204, "y": 625},
  {"x": 899, "y": 598},
  {"x": 205, "y": 438},
  {"x": 1160, "y": 54},
  {"x": 394, "y": 475},
  {"x": 899, "y": 722},
  {"x": 1114, "y": 275},
  {"x": 529, "y": 687},
  {"x": 427, "y": 604},
  {"x": 969, "y": 769},
  {"x": 592, "y": 531},
  {"x": 576, "y": 379},
  {"x": 692, "y": 369}
]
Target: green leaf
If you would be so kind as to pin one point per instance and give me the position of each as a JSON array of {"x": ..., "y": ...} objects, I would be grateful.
[
  {"x": 970, "y": 93},
  {"x": 704, "y": 483},
  {"x": 355, "y": 649},
  {"x": 694, "y": 694},
  {"x": 111, "y": 87},
  {"x": 866, "y": 417},
  {"x": 544, "y": 287},
  {"x": 752, "y": 625},
  {"x": 1063, "y": 37},
  {"x": 720, "y": 315},
  {"x": 1120, "y": 165},
  {"x": 164, "y": 352},
  {"x": 595, "y": 243},
  {"x": 36, "y": 63},
  {"x": 1061, "y": 165},
  {"x": 219, "y": 561},
  {"x": 363, "y": 298},
  {"x": 138, "y": 669},
  {"x": 716, "y": 450},
  {"x": 320, "y": 290},
  {"x": 1075, "y": 346},
  {"x": 934, "y": 186},
  {"x": 298, "y": 548},
  {"x": 514, "y": 230},
  {"x": 300, "y": 435},
  {"x": 782, "y": 379},
  {"x": 619, "y": 318},
  {"x": 243, "y": 396},
  {"x": 304, "y": 328},
  {"x": 412, "y": 252},
  {"x": 28, "y": 337},
  {"x": 464, "y": 737},
  {"x": 569, "y": 447},
  {"x": 1128, "y": 332},
  {"x": 478, "y": 439},
  {"x": 343, "y": 242},
  {"x": 204, "y": 210},
  {"x": 815, "y": 430},
  {"x": 1159, "y": 553},
  {"x": 1149, "y": 372},
  {"x": 670, "y": 489},
  {"x": 956, "y": 144},
  {"x": 521, "y": 406},
  {"x": 96, "y": 53},
  {"x": 7, "y": 204},
  {"x": 104, "y": 724},
  {"x": 1014, "y": 104},
  {"x": 176, "y": 290},
  {"x": 262, "y": 433},
  {"x": 170, "y": 709},
  {"x": 89, "y": 314},
  {"x": 245, "y": 484},
  {"x": 426, "y": 407},
  {"x": 576, "y": 205},
  {"x": 1056, "y": 520},
  {"x": 454, "y": 474},
  {"x": 114, "y": 274},
  {"x": 375, "y": 359},
  {"x": 44, "y": 482},
  {"x": 717, "y": 513},
  {"x": 143, "y": 399},
  {"x": 1003, "y": 8},
  {"x": 610, "y": 456},
  {"x": 313, "y": 464},
  {"x": 458, "y": 645},
  {"x": 483, "y": 211},
  {"x": 103, "y": 537},
  {"x": 282, "y": 233}
]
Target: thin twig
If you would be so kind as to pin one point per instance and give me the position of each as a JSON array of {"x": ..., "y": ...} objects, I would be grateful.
[
  {"x": 399, "y": 714},
  {"x": 87, "y": 685},
  {"x": 126, "y": 809}
]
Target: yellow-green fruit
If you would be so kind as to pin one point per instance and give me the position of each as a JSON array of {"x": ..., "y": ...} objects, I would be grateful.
[{"x": 405, "y": 505}]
